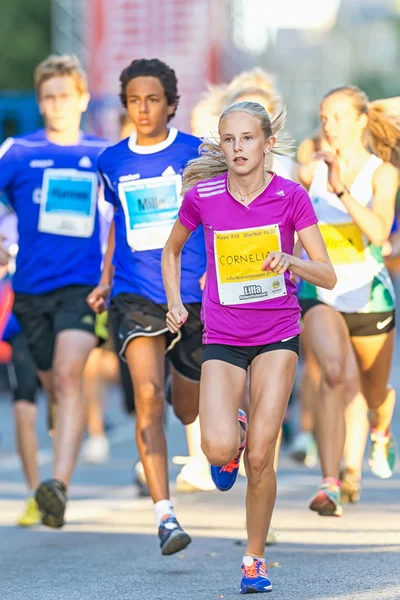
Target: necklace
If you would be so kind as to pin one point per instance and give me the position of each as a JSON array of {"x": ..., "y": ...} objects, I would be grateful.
[{"x": 244, "y": 196}]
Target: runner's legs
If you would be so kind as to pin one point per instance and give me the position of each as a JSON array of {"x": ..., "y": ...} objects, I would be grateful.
[
  {"x": 146, "y": 361},
  {"x": 321, "y": 323},
  {"x": 268, "y": 404},
  {"x": 72, "y": 349}
]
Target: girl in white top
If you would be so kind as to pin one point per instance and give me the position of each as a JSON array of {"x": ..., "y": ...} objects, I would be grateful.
[{"x": 353, "y": 189}]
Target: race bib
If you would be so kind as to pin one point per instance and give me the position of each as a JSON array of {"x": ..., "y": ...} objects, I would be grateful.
[
  {"x": 239, "y": 256},
  {"x": 68, "y": 202},
  {"x": 344, "y": 243},
  {"x": 151, "y": 208}
]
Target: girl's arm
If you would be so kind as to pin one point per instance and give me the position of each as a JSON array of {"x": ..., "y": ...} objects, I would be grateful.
[
  {"x": 375, "y": 222},
  {"x": 317, "y": 271},
  {"x": 171, "y": 271}
]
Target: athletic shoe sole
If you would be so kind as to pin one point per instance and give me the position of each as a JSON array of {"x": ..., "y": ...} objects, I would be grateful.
[
  {"x": 50, "y": 506},
  {"x": 250, "y": 590},
  {"x": 177, "y": 541},
  {"x": 325, "y": 507}
]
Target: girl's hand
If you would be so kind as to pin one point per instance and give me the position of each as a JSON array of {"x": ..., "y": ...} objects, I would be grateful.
[
  {"x": 176, "y": 317},
  {"x": 98, "y": 297},
  {"x": 278, "y": 262},
  {"x": 333, "y": 170}
]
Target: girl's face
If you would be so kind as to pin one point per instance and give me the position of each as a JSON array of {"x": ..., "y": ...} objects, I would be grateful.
[
  {"x": 243, "y": 142},
  {"x": 340, "y": 121}
]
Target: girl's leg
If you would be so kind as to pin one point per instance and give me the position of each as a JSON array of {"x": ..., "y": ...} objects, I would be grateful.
[
  {"x": 304, "y": 449},
  {"x": 221, "y": 392},
  {"x": 272, "y": 377},
  {"x": 374, "y": 355},
  {"x": 322, "y": 323},
  {"x": 185, "y": 397}
]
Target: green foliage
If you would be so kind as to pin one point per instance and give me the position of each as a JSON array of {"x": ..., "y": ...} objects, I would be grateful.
[{"x": 25, "y": 40}]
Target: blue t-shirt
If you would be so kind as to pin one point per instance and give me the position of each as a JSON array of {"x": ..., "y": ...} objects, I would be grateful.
[
  {"x": 53, "y": 190},
  {"x": 144, "y": 183}
]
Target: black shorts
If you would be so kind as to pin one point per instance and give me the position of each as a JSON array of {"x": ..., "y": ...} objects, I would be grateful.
[
  {"x": 359, "y": 324},
  {"x": 43, "y": 316},
  {"x": 22, "y": 375},
  {"x": 135, "y": 316},
  {"x": 242, "y": 356}
]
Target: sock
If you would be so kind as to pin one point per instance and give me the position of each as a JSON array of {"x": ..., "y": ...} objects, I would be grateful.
[
  {"x": 332, "y": 480},
  {"x": 162, "y": 508},
  {"x": 248, "y": 560}
]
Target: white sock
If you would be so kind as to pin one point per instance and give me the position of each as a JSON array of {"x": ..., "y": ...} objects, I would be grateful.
[
  {"x": 248, "y": 560},
  {"x": 162, "y": 508}
]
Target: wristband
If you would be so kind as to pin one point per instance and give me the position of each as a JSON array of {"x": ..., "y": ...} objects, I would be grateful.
[{"x": 344, "y": 190}]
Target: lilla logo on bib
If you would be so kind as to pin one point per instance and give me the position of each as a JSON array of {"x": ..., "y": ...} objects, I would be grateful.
[{"x": 253, "y": 291}]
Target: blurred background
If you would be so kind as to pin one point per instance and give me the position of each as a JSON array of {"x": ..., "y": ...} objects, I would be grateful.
[{"x": 310, "y": 47}]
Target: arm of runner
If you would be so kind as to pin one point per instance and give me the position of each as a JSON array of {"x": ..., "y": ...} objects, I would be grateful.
[
  {"x": 171, "y": 271},
  {"x": 317, "y": 271},
  {"x": 8, "y": 170},
  {"x": 305, "y": 174},
  {"x": 375, "y": 222},
  {"x": 98, "y": 296},
  {"x": 4, "y": 255}
]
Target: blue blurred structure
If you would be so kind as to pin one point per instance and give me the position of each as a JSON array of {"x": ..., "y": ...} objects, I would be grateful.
[{"x": 18, "y": 114}]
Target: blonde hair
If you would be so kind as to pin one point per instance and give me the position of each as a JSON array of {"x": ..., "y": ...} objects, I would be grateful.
[
  {"x": 206, "y": 113},
  {"x": 255, "y": 82},
  {"x": 382, "y": 134},
  {"x": 66, "y": 65},
  {"x": 212, "y": 161}
]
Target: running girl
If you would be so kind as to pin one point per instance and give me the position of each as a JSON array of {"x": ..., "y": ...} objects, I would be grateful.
[
  {"x": 250, "y": 311},
  {"x": 353, "y": 189}
]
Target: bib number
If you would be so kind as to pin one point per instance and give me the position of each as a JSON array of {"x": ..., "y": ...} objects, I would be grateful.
[
  {"x": 239, "y": 255},
  {"x": 344, "y": 243},
  {"x": 68, "y": 202},
  {"x": 151, "y": 208}
]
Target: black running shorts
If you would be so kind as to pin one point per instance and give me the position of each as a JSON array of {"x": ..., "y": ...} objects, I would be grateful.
[
  {"x": 43, "y": 316},
  {"x": 242, "y": 356},
  {"x": 135, "y": 316},
  {"x": 359, "y": 324}
]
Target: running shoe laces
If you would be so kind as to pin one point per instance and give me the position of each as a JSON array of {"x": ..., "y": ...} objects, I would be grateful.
[
  {"x": 234, "y": 464},
  {"x": 255, "y": 577}
]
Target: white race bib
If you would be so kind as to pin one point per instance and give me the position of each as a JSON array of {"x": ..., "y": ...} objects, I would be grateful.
[
  {"x": 239, "y": 255},
  {"x": 151, "y": 208},
  {"x": 68, "y": 202}
]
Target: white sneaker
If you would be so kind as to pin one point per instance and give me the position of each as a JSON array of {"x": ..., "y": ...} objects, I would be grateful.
[
  {"x": 96, "y": 450},
  {"x": 195, "y": 477},
  {"x": 304, "y": 449}
]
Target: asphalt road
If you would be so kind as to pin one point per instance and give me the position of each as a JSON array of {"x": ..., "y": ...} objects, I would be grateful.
[{"x": 109, "y": 549}]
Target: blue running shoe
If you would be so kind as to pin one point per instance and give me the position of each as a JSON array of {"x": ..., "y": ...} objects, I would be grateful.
[
  {"x": 172, "y": 537},
  {"x": 224, "y": 477},
  {"x": 255, "y": 578}
]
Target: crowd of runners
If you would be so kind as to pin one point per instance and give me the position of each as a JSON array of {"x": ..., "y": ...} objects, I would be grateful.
[{"x": 185, "y": 266}]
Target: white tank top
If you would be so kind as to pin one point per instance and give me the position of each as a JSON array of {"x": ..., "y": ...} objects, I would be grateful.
[{"x": 363, "y": 282}]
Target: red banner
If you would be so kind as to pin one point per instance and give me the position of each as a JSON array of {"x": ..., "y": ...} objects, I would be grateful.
[{"x": 179, "y": 32}]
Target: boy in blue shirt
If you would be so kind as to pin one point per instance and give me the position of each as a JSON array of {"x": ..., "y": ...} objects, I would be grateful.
[
  {"x": 50, "y": 179},
  {"x": 143, "y": 176}
]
